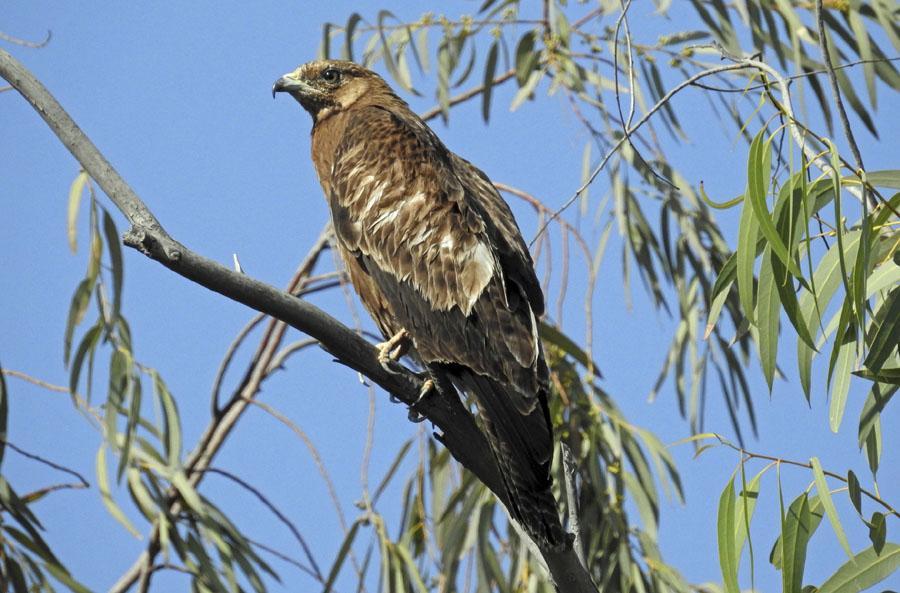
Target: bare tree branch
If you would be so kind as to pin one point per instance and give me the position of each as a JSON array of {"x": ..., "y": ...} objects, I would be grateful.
[{"x": 25, "y": 42}]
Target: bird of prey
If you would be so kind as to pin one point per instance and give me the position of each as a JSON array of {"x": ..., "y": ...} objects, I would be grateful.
[{"x": 438, "y": 261}]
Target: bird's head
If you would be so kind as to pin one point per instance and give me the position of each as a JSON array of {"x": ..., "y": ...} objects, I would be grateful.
[{"x": 325, "y": 87}]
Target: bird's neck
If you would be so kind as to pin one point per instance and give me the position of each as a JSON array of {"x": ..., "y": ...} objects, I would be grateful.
[{"x": 326, "y": 135}]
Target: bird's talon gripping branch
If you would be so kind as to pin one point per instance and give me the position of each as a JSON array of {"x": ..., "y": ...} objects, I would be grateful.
[
  {"x": 427, "y": 387},
  {"x": 393, "y": 349}
]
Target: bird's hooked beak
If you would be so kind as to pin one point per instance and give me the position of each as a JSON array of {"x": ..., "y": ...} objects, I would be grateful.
[
  {"x": 312, "y": 99},
  {"x": 293, "y": 83}
]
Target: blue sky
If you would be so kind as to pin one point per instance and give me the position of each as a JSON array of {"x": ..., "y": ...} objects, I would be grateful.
[{"x": 177, "y": 96}]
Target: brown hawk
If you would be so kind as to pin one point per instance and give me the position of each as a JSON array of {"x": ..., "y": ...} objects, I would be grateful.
[{"x": 438, "y": 260}]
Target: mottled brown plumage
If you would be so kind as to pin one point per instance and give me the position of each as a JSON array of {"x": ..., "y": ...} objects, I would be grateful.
[{"x": 433, "y": 249}]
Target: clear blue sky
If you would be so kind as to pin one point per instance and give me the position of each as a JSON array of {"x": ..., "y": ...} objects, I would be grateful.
[{"x": 178, "y": 98}]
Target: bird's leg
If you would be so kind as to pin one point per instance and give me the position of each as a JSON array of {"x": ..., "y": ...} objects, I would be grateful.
[{"x": 393, "y": 349}]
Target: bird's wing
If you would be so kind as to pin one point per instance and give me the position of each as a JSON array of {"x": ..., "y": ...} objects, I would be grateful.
[
  {"x": 438, "y": 245},
  {"x": 483, "y": 197},
  {"x": 443, "y": 249}
]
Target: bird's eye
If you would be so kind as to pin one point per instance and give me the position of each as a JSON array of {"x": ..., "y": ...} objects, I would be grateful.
[{"x": 331, "y": 75}]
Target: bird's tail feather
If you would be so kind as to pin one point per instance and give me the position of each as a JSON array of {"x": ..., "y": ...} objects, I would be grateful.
[{"x": 522, "y": 445}]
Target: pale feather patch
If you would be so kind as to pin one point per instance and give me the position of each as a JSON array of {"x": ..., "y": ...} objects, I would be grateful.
[
  {"x": 350, "y": 93},
  {"x": 536, "y": 345},
  {"x": 477, "y": 273},
  {"x": 386, "y": 217},
  {"x": 374, "y": 197}
]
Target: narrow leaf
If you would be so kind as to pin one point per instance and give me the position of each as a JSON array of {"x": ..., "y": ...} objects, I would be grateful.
[
  {"x": 727, "y": 535},
  {"x": 795, "y": 532},
  {"x": 75, "y": 192},
  {"x": 864, "y": 570},
  {"x": 490, "y": 70},
  {"x": 828, "y": 504},
  {"x": 106, "y": 494}
]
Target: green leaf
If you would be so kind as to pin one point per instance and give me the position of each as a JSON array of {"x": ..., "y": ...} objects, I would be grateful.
[
  {"x": 746, "y": 504},
  {"x": 838, "y": 219},
  {"x": 134, "y": 416},
  {"x": 727, "y": 536},
  {"x": 391, "y": 470},
  {"x": 115, "y": 258},
  {"x": 853, "y": 491},
  {"x": 864, "y": 570},
  {"x": 719, "y": 293},
  {"x": 816, "y": 514},
  {"x": 876, "y": 401},
  {"x": 555, "y": 337},
  {"x": 349, "y": 32},
  {"x": 489, "y": 565},
  {"x": 874, "y": 446},
  {"x": 718, "y": 205},
  {"x": 878, "y": 531},
  {"x": 844, "y": 358},
  {"x": 343, "y": 551},
  {"x": 527, "y": 89},
  {"x": 746, "y": 256},
  {"x": 14, "y": 575},
  {"x": 106, "y": 494},
  {"x": 87, "y": 345},
  {"x": 865, "y": 52},
  {"x": 767, "y": 317},
  {"x": 62, "y": 575},
  {"x": 828, "y": 504},
  {"x": 887, "y": 337},
  {"x": 526, "y": 57},
  {"x": 141, "y": 496},
  {"x": 827, "y": 278},
  {"x": 187, "y": 492},
  {"x": 759, "y": 171},
  {"x": 889, "y": 178},
  {"x": 891, "y": 376},
  {"x": 790, "y": 224},
  {"x": 4, "y": 413},
  {"x": 171, "y": 421},
  {"x": 387, "y": 53},
  {"x": 75, "y": 192},
  {"x": 795, "y": 533},
  {"x": 80, "y": 301},
  {"x": 490, "y": 70}
]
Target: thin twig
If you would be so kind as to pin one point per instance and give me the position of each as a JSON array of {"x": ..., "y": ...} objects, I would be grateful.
[
  {"x": 279, "y": 359},
  {"x": 465, "y": 96},
  {"x": 47, "y": 462},
  {"x": 842, "y": 112},
  {"x": 25, "y": 42},
  {"x": 80, "y": 401},
  {"x": 278, "y": 514},
  {"x": 659, "y": 104},
  {"x": 229, "y": 356},
  {"x": 314, "y": 453},
  {"x": 752, "y": 455},
  {"x": 793, "y": 77},
  {"x": 283, "y": 557},
  {"x": 35, "y": 381}
]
